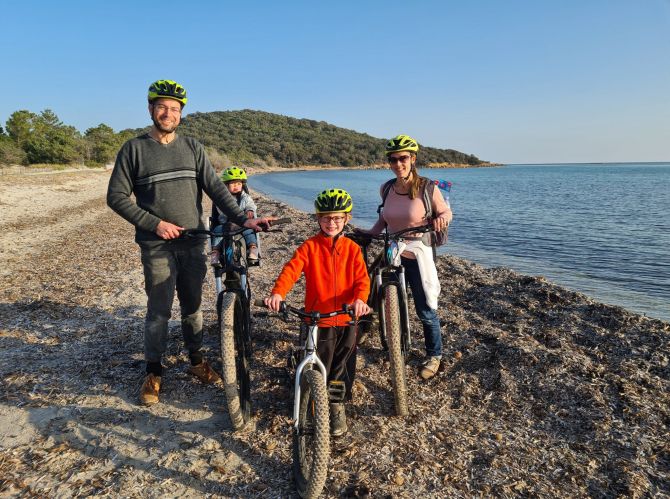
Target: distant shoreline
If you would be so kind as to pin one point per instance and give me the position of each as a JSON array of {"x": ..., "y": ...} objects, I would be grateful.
[
  {"x": 379, "y": 166},
  {"x": 252, "y": 169}
]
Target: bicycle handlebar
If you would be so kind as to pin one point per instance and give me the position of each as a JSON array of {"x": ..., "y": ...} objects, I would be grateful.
[
  {"x": 363, "y": 236},
  {"x": 285, "y": 309},
  {"x": 233, "y": 232}
]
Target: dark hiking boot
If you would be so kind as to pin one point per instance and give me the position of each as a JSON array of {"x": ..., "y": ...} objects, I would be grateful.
[{"x": 338, "y": 419}]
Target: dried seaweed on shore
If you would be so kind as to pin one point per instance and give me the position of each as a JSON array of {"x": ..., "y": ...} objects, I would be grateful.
[{"x": 544, "y": 392}]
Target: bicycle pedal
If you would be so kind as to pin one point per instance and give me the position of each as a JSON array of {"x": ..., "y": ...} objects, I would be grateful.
[{"x": 336, "y": 391}]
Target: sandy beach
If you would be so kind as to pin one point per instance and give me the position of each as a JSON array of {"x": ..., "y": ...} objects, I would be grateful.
[{"x": 544, "y": 392}]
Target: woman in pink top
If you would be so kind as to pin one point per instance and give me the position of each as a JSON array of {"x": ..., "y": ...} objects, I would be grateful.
[{"x": 403, "y": 208}]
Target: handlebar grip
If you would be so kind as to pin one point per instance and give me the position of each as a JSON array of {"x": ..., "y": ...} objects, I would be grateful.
[
  {"x": 281, "y": 221},
  {"x": 192, "y": 233}
]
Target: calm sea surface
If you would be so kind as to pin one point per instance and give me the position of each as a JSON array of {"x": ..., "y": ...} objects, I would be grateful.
[{"x": 602, "y": 229}]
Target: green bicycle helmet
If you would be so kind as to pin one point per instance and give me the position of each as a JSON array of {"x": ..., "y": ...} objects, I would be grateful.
[
  {"x": 233, "y": 173},
  {"x": 167, "y": 89},
  {"x": 402, "y": 143},
  {"x": 333, "y": 200}
]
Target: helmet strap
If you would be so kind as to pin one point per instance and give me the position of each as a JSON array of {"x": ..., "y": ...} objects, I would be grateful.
[{"x": 412, "y": 170}]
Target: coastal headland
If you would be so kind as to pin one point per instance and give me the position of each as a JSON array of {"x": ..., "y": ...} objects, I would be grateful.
[{"x": 544, "y": 392}]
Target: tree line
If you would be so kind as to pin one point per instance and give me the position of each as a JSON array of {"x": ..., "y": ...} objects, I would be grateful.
[
  {"x": 30, "y": 138},
  {"x": 231, "y": 137}
]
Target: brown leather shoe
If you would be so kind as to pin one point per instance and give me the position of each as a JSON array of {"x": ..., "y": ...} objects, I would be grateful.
[
  {"x": 205, "y": 373},
  {"x": 150, "y": 389},
  {"x": 430, "y": 367},
  {"x": 252, "y": 254}
]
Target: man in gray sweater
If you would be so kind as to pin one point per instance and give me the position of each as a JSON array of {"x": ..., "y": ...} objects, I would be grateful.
[{"x": 167, "y": 174}]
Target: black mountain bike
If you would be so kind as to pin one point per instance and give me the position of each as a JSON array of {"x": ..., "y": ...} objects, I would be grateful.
[
  {"x": 388, "y": 300},
  {"x": 311, "y": 409},
  {"x": 234, "y": 318}
]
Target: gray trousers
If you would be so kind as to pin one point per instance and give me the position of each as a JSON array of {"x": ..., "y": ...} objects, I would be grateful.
[{"x": 165, "y": 271}]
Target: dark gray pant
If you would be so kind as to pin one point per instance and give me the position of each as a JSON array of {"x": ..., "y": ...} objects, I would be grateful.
[
  {"x": 165, "y": 271},
  {"x": 337, "y": 350}
]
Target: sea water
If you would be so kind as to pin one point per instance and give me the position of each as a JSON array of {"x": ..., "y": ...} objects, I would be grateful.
[{"x": 602, "y": 229}]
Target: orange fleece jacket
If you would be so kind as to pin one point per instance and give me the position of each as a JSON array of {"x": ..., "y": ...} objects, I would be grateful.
[{"x": 335, "y": 274}]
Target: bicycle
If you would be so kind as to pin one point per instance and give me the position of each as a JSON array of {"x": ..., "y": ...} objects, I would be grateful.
[
  {"x": 234, "y": 319},
  {"x": 311, "y": 411},
  {"x": 388, "y": 300}
]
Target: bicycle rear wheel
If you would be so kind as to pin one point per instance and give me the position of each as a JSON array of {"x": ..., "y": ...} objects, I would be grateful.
[
  {"x": 394, "y": 343},
  {"x": 311, "y": 441},
  {"x": 235, "y": 359}
]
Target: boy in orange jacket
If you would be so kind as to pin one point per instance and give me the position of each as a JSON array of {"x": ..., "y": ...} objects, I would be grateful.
[{"x": 335, "y": 274}]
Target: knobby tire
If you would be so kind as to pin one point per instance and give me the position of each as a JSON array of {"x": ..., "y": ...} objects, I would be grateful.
[
  {"x": 234, "y": 360},
  {"x": 311, "y": 442},
  {"x": 394, "y": 343}
]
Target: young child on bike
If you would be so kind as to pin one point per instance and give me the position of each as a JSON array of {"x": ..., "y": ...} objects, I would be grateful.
[
  {"x": 236, "y": 180},
  {"x": 335, "y": 274}
]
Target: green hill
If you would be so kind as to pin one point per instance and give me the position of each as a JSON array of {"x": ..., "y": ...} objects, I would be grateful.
[{"x": 257, "y": 137}]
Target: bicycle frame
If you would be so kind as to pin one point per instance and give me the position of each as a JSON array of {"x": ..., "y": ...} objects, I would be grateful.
[
  {"x": 311, "y": 357},
  {"x": 395, "y": 277},
  {"x": 384, "y": 273},
  {"x": 234, "y": 319},
  {"x": 234, "y": 262},
  {"x": 232, "y": 259}
]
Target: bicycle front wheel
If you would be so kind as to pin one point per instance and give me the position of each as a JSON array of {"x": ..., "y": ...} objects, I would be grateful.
[
  {"x": 394, "y": 343},
  {"x": 235, "y": 359},
  {"x": 311, "y": 440}
]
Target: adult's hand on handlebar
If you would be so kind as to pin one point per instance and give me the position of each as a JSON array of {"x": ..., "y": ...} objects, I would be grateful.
[
  {"x": 166, "y": 230},
  {"x": 274, "y": 302},
  {"x": 360, "y": 308},
  {"x": 259, "y": 224},
  {"x": 440, "y": 223}
]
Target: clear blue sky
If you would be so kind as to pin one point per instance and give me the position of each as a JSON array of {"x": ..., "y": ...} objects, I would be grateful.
[{"x": 509, "y": 81}]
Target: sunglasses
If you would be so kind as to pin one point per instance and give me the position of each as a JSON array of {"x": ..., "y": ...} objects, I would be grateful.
[{"x": 399, "y": 159}]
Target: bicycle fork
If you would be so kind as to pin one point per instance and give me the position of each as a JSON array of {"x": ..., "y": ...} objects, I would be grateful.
[
  {"x": 404, "y": 308},
  {"x": 311, "y": 358},
  {"x": 401, "y": 285},
  {"x": 218, "y": 279}
]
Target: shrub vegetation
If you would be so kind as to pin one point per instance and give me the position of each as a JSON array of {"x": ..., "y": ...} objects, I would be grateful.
[{"x": 231, "y": 137}]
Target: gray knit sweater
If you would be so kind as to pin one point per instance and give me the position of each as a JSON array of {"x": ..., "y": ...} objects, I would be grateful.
[{"x": 167, "y": 181}]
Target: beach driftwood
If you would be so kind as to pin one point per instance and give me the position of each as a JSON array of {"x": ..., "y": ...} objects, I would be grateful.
[{"x": 544, "y": 392}]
